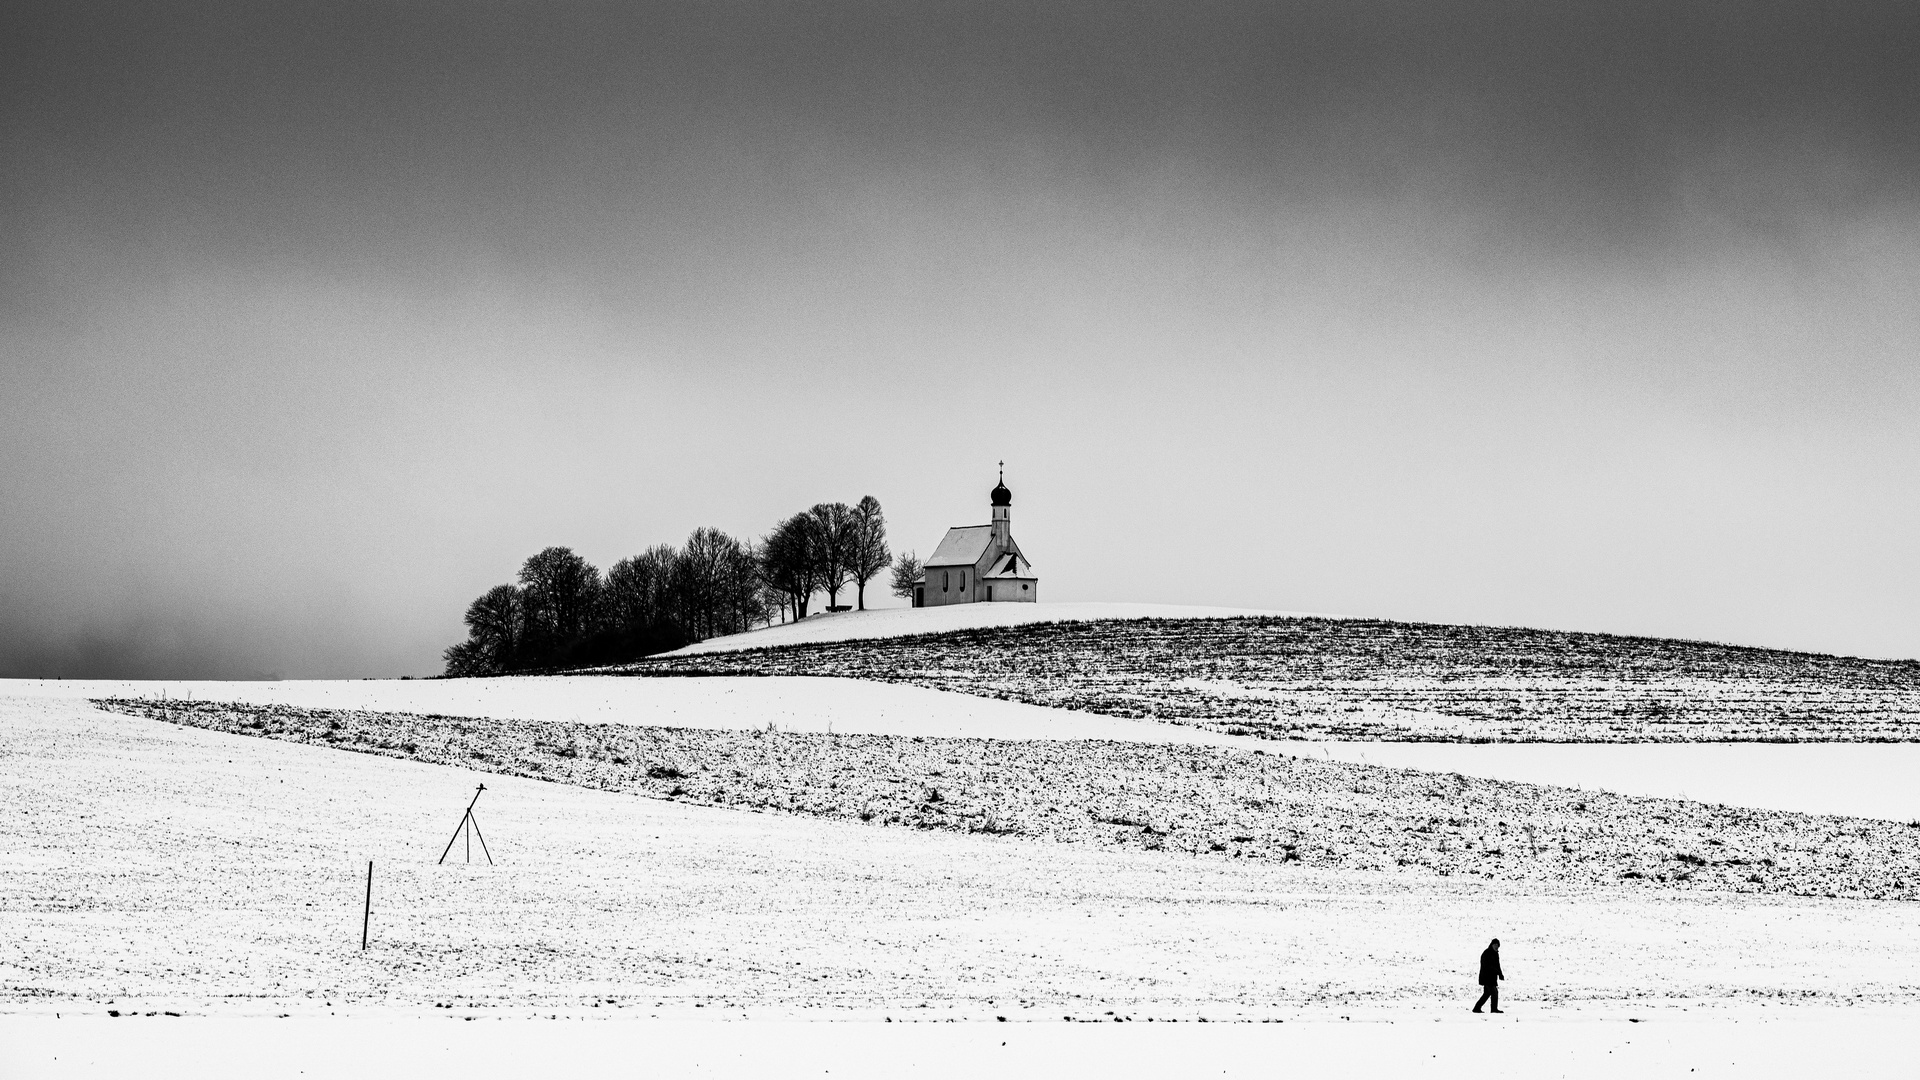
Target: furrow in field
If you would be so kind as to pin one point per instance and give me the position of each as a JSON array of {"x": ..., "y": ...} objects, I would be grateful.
[{"x": 1203, "y": 801}]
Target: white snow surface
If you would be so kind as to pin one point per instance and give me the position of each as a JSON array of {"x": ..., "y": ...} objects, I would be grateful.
[
  {"x": 157, "y": 867},
  {"x": 1863, "y": 779},
  {"x": 844, "y": 706},
  {"x": 904, "y": 622},
  {"x": 1856, "y": 779},
  {"x": 154, "y": 869},
  {"x": 1859, "y": 1044}
]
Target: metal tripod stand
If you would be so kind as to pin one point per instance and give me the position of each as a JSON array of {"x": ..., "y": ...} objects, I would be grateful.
[{"x": 471, "y": 828}]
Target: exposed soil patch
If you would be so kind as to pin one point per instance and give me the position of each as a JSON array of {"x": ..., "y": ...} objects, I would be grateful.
[
  {"x": 1203, "y": 801},
  {"x": 1291, "y": 678}
]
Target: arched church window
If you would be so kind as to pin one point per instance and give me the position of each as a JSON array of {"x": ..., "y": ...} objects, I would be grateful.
[{"x": 945, "y": 581}]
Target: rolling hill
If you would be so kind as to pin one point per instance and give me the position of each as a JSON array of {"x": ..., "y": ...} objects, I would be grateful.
[{"x": 1295, "y": 677}]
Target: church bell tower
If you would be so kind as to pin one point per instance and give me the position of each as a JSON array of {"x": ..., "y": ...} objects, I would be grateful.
[{"x": 1002, "y": 510}]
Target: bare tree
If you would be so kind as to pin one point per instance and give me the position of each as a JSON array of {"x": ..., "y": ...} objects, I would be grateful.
[
  {"x": 496, "y": 628},
  {"x": 468, "y": 660},
  {"x": 636, "y": 590},
  {"x": 833, "y": 528},
  {"x": 906, "y": 569},
  {"x": 869, "y": 553},
  {"x": 715, "y": 585},
  {"x": 564, "y": 613},
  {"x": 638, "y": 612},
  {"x": 789, "y": 562},
  {"x": 774, "y": 600},
  {"x": 696, "y": 581},
  {"x": 747, "y": 601},
  {"x": 560, "y": 592}
]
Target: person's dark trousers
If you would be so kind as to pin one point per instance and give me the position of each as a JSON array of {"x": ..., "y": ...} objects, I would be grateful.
[{"x": 1492, "y": 994}]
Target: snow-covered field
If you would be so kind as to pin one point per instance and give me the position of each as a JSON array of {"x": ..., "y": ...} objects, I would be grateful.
[
  {"x": 152, "y": 868},
  {"x": 1864, "y": 779},
  {"x": 848, "y": 706},
  {"x": 1858, "y": 779},
  {"x": 904, "y": 622},
  {"x": 1362, "y": 679},
  {"x": 1852, "y": 1043},
  {"x": 1205, "y": 801}
]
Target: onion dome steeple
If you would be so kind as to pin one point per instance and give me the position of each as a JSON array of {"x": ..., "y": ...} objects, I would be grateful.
[{"x": 1000, "y": 495}]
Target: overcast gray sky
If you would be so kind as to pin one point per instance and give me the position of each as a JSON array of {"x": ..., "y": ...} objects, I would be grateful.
[{"x": 315, "y": 320}]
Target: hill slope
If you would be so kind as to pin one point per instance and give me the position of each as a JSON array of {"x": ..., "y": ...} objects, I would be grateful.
[
  {"x": 909, "y": 622},
  {"x": 1314, "y": 678}
]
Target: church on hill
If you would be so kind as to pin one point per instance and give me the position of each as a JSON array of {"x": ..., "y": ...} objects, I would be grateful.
[{"x": 979, "y": 564}]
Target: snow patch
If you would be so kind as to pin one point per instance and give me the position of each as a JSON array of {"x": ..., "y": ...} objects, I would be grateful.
[
  {"x": 788, "y": 703},
  {"x": 906, "y": 622}
]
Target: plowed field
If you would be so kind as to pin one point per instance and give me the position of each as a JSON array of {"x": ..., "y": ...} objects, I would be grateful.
[{"x": 1303, "y": 678}]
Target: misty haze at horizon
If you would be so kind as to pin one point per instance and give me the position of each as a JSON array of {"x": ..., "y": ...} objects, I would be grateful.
[{"x": 316, "y": 321}]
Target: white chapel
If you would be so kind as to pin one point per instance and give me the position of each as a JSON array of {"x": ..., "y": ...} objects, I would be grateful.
[{"x": 979, "y": 564}]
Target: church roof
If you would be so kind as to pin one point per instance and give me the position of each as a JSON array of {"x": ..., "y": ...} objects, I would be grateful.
[
  {"x": 962, "y": 546},
  {"x": 1010, "y": 567}
]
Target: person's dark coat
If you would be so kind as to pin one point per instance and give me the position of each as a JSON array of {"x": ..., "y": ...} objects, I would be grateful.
[{"x": 1490, "y": 973}]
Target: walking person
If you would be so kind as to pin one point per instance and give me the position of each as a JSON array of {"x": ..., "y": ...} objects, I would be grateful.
[{"x": 1490, "y": 976}]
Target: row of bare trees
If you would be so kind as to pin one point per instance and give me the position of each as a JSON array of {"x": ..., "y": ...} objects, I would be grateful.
[
  {"x": 561, "y": 612},
  {"x": 822, "y": 550}
]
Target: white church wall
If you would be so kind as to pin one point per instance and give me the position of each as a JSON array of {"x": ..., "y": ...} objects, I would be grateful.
[
  {"x": 944, "y": 585},
  {"x": 1012, "y": 592}
]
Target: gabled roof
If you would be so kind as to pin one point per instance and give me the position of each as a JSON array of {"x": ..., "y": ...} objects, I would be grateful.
[
  {"x": 1011, "y": 567},
  {"x": 962, "y": 546}
]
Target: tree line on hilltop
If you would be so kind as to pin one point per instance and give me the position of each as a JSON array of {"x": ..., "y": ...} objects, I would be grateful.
[{"x": 561, "y": 612}]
